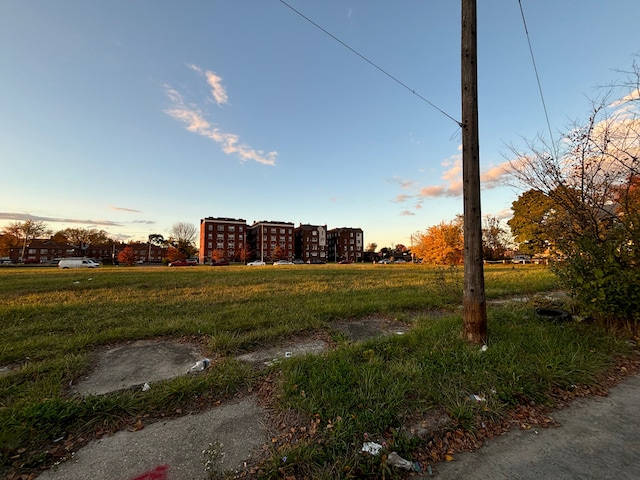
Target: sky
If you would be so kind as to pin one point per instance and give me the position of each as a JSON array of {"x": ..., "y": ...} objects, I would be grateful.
[{"x": 130, "y": 117}]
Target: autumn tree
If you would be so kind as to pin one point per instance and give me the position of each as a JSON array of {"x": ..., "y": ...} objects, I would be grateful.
[
  {"x": 496, "y": 238},
  {"x": 9, "y": 238},
  {"x": 173, "y": 254},
  {"x": 182, "y": 237},
  {"x": 278, "y": 253},
  {"x": 25, "y": 232},
  {"x": 82, "y": 238},
  {"x": 587, "y": 184},
  {"x": 371, "y": 247},
  {"x": 441, "y": 244},
  {"x": 127, "y": 256},
  {"x": 217, "y": 255}
]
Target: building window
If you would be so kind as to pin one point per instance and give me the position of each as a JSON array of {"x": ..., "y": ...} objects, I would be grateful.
[
  {"x": 232, "y": 228},
  {"x": 210, "y": 227},
  {"x": 210, "y": 245},
  {"x": 221, "y": 228}
]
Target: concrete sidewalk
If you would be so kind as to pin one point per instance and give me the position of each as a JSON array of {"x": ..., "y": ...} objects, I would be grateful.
[{"x": 598, "y": 438}]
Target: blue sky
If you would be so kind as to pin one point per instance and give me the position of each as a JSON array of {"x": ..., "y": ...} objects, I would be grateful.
[{"x": 132, "y": 116}]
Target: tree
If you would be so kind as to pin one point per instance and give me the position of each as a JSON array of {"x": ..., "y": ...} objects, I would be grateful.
[
  {"x": 587, "y": 187},
  {"x": 127, "y": 256},
  {"x": 278, "y": 253},
  {"x": 82, "y": 238},
  {"x": 182, "y": 237},
  {"x": 495, "y": 239},
  {"x": 371, "y": 247},
  {"x": 442, "y": 244},
  {"x": 531, "y": 221},
  {"x": 217, "y": 255},
  {"x": 173, "y": 254},
  {"x": 26, "y": 231},
  {"x": 9, "y": 238},
  {"x": 156, "y": 239}
]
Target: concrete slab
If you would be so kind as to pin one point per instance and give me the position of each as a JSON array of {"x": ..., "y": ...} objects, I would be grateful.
[
  {"x": 235, "y": 430},
  {"x": 370, "y": 327},
  {"x": 269, "y": 356},
  {"x": 599, "y": 438},
  {"x": 135, "y": 364}
]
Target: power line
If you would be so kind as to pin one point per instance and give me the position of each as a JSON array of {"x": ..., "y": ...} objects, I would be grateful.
[
  {"x": 535, "y": 69},
  {"x": 371, "y": 63}
]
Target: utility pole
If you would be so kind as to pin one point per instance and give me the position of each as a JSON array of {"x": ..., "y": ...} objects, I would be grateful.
[{"x": 474, "y": 305}]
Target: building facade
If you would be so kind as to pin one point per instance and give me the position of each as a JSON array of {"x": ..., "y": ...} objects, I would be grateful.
[
  {"x": 42, "y": 251},
  {"x": 223, "y": 239},
  {"x": 269, "y": 241},
  {"x": 311, "y": 243},
  {"x": 346, "y": 244}
]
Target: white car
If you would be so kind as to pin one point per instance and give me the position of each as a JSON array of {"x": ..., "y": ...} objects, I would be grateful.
[
  {"x": 257, "y": 263},
  {"x": 283, "y": 262}
]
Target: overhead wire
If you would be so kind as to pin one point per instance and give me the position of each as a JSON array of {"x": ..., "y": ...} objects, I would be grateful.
[
  {"x": 535, "y": 69},
  {"x": 371, "y": 63}
]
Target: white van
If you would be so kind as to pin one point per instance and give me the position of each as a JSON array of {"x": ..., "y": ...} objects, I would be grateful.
[{"x": 77, "y": 263}]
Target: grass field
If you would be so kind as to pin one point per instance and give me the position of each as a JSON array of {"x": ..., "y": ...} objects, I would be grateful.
[{"x": 51, "y": 320}]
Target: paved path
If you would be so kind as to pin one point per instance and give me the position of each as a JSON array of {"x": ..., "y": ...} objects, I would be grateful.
[{"x": 598, "y": 438}]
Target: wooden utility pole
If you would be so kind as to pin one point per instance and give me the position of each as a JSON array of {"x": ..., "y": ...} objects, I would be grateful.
[{"x": 475, "y": 313}]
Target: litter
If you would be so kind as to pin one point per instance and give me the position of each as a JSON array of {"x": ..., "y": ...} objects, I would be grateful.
[
  {"x": 484, "y": 348},
  {"x": 477, "y": 398},
  {"x": 397, "y": 461},
  {"x": 200, "y": 365},
  {"x": 146, "y": 387},
  {"x": 371, "y": 447},
  {"x": 288, "y": 355}
]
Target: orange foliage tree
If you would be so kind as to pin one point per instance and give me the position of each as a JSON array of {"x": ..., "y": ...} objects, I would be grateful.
[
  {"x": 442, "y": 244},
  {"x": 127, "y": 256}
]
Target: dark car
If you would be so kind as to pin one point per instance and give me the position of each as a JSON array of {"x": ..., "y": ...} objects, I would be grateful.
[
  {"x": 344, "y": 262},
  {"x": 184, "y": 263},
  {"x": 219, "y": 263}
]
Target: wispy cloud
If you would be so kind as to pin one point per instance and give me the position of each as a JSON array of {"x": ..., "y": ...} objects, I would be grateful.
[
  {"x": 218, "y": 92},
  {"x": 124, "y": 209},
  {"x": 21, "y": 217},
  {"x": 451, "y": 185},
  {"x": 195, "y": 121},
  {"x": 406, "y": 213}
]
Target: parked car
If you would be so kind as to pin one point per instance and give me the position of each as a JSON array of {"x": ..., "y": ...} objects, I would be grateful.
[
  {"x": 283, "y": 262},
  {"x": 316, "y": 262},
  {"x": 344, "y": 262},
  {"x": 77, "y": 263},
  {"x": 521, "y": 259},
  {"x": 219, "y": 263},
  {"x": 298, "y": 261},
  {"x": 189, "y": 262},
  {"x": 385, "y": 261},
  {"x": 256, "y": 263}
]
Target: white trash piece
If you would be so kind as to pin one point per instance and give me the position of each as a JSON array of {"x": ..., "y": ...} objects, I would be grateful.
[
  {"x": 371, "y": 447},
  {"x": 146, "y": 387},
  {"x": 200, "y": 365}
]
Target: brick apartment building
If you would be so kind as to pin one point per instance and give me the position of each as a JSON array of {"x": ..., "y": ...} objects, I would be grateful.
[
  {"x": 50, "y": 251},
  {"x": 311, "y": 243},
  {"x": 346, "y": 244},
  {"x": 42, "y": 251},
  {"x": 227, "y": 237},
  {"x": 265, "y": 237}
]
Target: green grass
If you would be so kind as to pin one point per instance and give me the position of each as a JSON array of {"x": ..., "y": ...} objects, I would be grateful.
[{"x": 52, "y": 320}]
